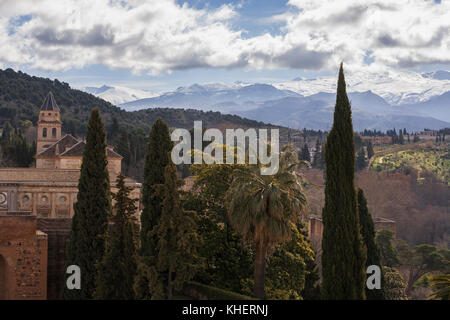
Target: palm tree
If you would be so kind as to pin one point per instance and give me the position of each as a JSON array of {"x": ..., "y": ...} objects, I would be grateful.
[
  {"x": 262, "y": 208},
  {"x": 440, "y": 285}
]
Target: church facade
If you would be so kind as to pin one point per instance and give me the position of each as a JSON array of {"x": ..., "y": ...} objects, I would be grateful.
[{"x": 41, "y": 199}]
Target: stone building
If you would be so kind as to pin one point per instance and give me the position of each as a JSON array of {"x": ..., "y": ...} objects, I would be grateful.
[{"x": 41, "y": 200}]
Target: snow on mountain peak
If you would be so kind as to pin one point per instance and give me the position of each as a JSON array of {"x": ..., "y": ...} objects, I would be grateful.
[
  {"x": 396, "y": 87},
  {"x": 118, "y": 94}
]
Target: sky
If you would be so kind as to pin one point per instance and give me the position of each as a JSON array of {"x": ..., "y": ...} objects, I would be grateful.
[{"x": 159, "y": 45}]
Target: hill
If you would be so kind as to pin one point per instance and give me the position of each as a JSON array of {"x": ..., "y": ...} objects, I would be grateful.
[
  {"x": 21, "y": 96},
  {"x": 423, "y": 158}
]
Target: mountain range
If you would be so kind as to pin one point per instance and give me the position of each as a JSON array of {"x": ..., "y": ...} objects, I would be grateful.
[
  {"x": 379, "y": 101},
  {"x": 118, "y": 94}
]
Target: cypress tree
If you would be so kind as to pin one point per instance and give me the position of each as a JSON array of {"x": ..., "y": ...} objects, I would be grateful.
[
  {"x": 370, "y": 151},
  {"x": 360, "y": 159},
  {"x": 401, "y": 140},
  {"x": 368, "y": 235},
  {"x": 343, "y": 254},
  {"x": 176, "y": 247},
  {"x": 155, "y": 162},
  {"x": 159, "y": 146},
  {"x": 305, "y": 153},
  {"x": 118, "y": 267},
  {"x": 123, "y": 148},
  {"x": 87, "y": 244}
]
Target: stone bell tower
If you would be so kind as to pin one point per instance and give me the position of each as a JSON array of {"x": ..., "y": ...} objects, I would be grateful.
[{"x": 49, "y": 124}]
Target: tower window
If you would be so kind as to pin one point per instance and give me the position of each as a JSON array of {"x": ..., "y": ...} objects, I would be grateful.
[
  {"x": 54, "y": 132},
  {"x": 44, "y": 132}
]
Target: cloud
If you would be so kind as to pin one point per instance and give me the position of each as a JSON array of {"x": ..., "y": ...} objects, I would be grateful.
[
  {"x": 399, "y": 33},
  {"x": 161, "y": 36}
]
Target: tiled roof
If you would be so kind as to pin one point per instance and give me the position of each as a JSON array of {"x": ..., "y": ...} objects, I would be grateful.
[
  {"x": 50, "y": 103},
  {"x": 59, "y": 146},
  {"x": 112, "y": 154},
  {"x": 77, "y": 151}
]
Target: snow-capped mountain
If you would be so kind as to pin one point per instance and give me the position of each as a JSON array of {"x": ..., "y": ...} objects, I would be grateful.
[
  {"x": 396, "y": 87},
  {"x": 215, "y": 97},
  {"x": 379, "y": 100},
  {"x": 117, "y": 94}
]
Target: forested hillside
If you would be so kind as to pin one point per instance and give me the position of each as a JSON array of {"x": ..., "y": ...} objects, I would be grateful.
[{"x": 21, "y": 95}]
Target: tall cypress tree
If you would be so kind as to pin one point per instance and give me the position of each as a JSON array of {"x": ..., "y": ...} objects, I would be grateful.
[
  {"x": 156, "y": 160},
  {"x": 87, "y": 244},
  {"x": 158, "y": 147},
  {"x": 343, "y": 254},
  {"x": 118, "y": 267},
  {"x": 177, "y": 238},
  {"x": 368, "y": 235}
]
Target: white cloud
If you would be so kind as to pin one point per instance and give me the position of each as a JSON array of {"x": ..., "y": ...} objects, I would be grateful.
[
  {"x": 401, "y": 33},
  {"x": 160, "y": 36}
]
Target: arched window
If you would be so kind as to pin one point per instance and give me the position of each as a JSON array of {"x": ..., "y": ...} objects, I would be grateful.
[
  {"x": 44, "y": 132},
  {"x": 54, "y": 132}
]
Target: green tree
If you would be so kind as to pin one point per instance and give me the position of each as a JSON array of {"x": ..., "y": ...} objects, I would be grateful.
[
  {"x": 118, "y": 267},
  {"x": 343, "y": 254},
  {"x": 440, "y": 285},
  {"x": 389, "y": 254},
  {"x": 368, "y": 235},
  {"x": 176, "y": 250},
  {"x": 370, "y": 151},
  {"x": 262, "y": 208},
  {"x": 289, "y": 272},
  {"x": 228, "y": 263},
  {"x": 158, "y": 147},
  {"x": 421, "y": 260},
  {"x": 361, "y": 159},
  {"x": 7, "y": 131},
  {"x": 305, "y": 153},
  {"x": 393, "y": 285},
  {"x": 86, "y": 245},
  {"x": 115, "y": 127},
  {"x": 123, "y": 148}
]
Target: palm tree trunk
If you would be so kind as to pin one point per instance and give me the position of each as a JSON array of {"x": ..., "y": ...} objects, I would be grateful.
[{"x": 260, "y": 269}]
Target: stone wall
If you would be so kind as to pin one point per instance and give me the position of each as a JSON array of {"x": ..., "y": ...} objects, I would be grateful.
[
  {"x": 23, "y": 258},
  {"x": 48, "y": 193}
]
